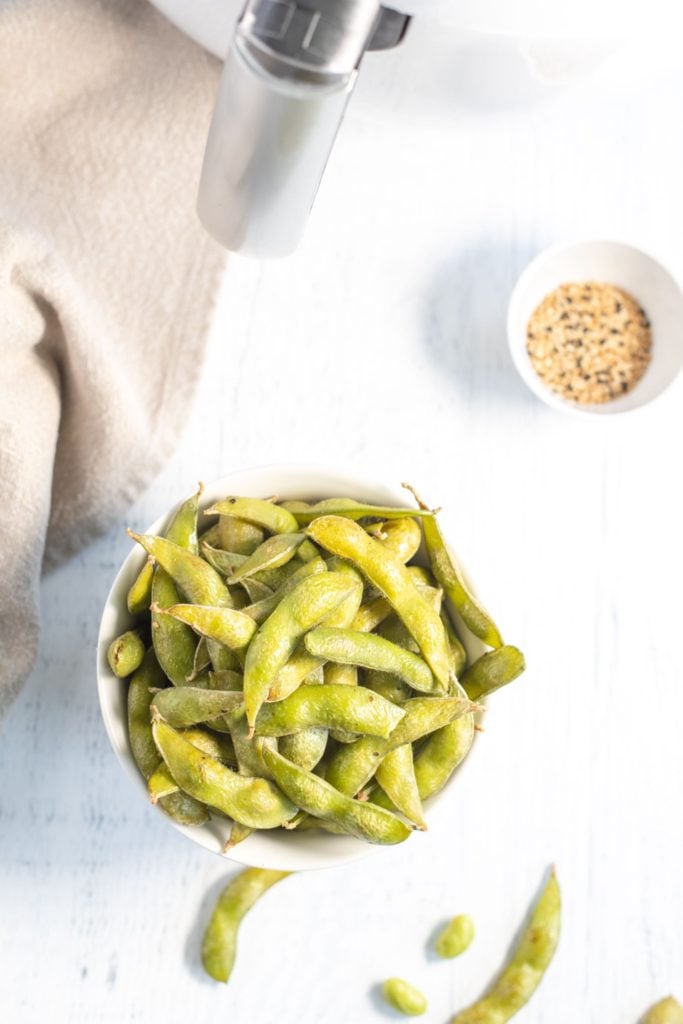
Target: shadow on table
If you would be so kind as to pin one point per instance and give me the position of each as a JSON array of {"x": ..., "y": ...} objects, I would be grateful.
[{"x": 464, "y": 323}]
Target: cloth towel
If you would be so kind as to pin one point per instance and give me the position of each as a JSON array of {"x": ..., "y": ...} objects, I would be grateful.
[{"x": 106, "y": 277}]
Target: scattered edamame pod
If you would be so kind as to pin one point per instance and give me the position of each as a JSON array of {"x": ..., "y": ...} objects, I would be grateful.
[
  {"x": 304, "y": 607},
  {"x": 455, "y": 937},
  {"x": 219, "y": 947},
  {"x": 493, "y": 670},
  {"x": 666, "y": 1011},
  {"x": 256, "y": 803},
  {"x": 523, "y": 973},
  {"x": 452, "y": 579},
  {"x": 349, "y": 647},
  {"x": 352, "y": 708},
  {"x": 312, "y": 794},
  {"x": 125, "y": 654},
  {"x": 404, "y": 997},
  {"x": 349, "y": 540}
]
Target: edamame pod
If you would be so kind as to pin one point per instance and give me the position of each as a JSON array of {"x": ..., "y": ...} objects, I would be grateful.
[
  {"x": 458, "y": 652},
  {"x": 396, "y": 776},
  {"x": 140, "y": 593},
  {"x": 256, "y": 803},
  {"x": 451, "y": 577},
  {"x": 388, "y": 686},
  {"x": 249, "y": 760},
  {"x": 219, "y": 946},
  {"x": 237, "y": 535},
  {"x": 404, "y": 997},
  {"x": 273, "y": 553},
  {"x": 304, "y": 748},
  {"x": 226, "y": 626},
  {"x": 304, "y": 607},
  {"x": 199, "y": 581},
  {"x": 352, "y": 766},
  {"x": 666, "y": 1011},
  {"x": 312, "y": 794},
  {"x": 125, "y": 654},
  {"x": 352, "y": 708},
  {"x": 368, "y": 650},
  {"x": 400, "y": 536},
  {"x": 183, "y": 706},
  {"x": 161, "y": 784},
  {"x": 179, "y": 806},
  {"x": 263, "y": 608},
  {"x": 456, "y": 937},
  {"x": 238, "y": 833},
  {"x": 349, "y": 509},
  {"x": 265, "y": 514},
  {"x": 523, "y": 973},
  {"x": 493, "y": 670},
  {"x": 349, "y": 540}
]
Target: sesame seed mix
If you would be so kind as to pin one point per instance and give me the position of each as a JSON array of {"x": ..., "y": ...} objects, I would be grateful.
[{"x": 589, "y": 342}]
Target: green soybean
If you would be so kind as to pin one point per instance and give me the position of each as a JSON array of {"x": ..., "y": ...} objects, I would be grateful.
[
  {"x": 225, "y": 626},
  {"x": 190, "y": 705},
  {"x": 125, "y": 654},
  {"x": 400, "y": 536},
  {"x": 273, "y": 553},
  {"x": 396, "y": 776},
  {"x": 368, "y": 650},
  {"x": 304, "y": 748},
  {"x": 404, "y": 997},
  {"x": 264, "y": 514},
  {"x": 348, "y": 508},
  {"x": 219, "y": 946},
  {"x": 352, "y": 708},
  {"x": 237, "y": 535},
  {"x": 493, "y": 670},
  {"x": 456, "y": 937}
]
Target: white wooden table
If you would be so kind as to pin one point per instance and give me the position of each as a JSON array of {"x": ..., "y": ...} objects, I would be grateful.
[{"x": 380, "y": 345}]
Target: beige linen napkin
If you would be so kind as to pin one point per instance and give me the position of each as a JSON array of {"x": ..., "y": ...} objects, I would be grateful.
[{"x": 106, "y": 277}]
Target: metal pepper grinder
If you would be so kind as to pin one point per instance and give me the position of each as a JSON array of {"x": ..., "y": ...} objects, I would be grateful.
[{"x": 288, "y": 76}]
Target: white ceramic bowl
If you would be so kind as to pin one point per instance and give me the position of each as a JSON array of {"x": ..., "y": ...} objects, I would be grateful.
[
  {"x": 615, "y": 263},
  {"x": 291, "y": 851}
]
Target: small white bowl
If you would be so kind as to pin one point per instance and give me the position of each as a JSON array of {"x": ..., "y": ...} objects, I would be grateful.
[
  {"x": 612, "y": 263},
  {"x": 292, "y": 851}
]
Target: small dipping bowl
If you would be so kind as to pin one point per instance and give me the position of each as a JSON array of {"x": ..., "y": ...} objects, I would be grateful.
[
  {"x": 278, "y": 849},
  {"x": 628, "y": 268}
]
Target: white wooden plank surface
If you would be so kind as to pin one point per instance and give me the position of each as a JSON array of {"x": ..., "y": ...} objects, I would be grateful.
[{"x": 381, "y": 345}]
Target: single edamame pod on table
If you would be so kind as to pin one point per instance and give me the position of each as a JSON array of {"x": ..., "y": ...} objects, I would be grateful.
[
  {"x": 452, "y": 579},
  {"x": 179, "y": 806},
  {"x": 253, "y": 802},
  {"x": 456, "y": 937},
  {"x": 666, "y": 1011},
  {"x": 312, "y": 794},
  {"x": 404, "y": 997},
  {"x": 523, "y": 973},
  {"x": 368, "y": 650},
  {"x": 125, "y": 654},
  {"x": 493, "y": 670},
  {"x": 219, "y": 946},
  {"x": 348, "y": 540},
  {"x": 274, "y": 643}
]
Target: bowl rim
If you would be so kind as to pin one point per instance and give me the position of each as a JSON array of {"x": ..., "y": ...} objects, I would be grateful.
[
  {"x": 292, "y": 854},
  {"x": 517, "y": 347}
]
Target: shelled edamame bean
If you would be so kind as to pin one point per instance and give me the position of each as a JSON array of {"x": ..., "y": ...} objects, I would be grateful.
[{"x": 295, "y": 640}]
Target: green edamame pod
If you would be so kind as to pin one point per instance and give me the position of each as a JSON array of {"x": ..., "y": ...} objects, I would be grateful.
[
  {"x": 237, "y": 535},
  {"x": 304, "y": 607},
  {"x": 458, "y": 652},
  {"x": 388, "y": 686},
  {"x": 161, "y": 784},
  {"x": 351, "y": 767},
  {"x": 404, "y": 997},
  {"x": 368, "y": 650},
  {"x": 666, "y": 1011},
  {"x": 140, "y": 593},
  {"x": 273, "y": 553},
  {"x": 183, "y": 706},
  {"x": 441, "y": 754},
  {"x": 199, "y": 581},
  {"x": 340, "y": 675},
  {"x": 226, "y": 626},
  {"x": 400, "y": 536},
  {"x": 248, "y": 754},
  {"x": 219, "y": 947},
  {"x": 228, "y": 564},
  {"x": 493, "y": 670},
  {"x": 349, "y": 509},
  {"x": 256, "y": 803},
  {"x": 179, "y": 806},
  {"x": 312, "y": 794},
  {"x": 265, "y": 514},
  {"x": 238, "y": 833},
  {"x": 304, "y": 748},
  {"x": 524, "y": 971},
  {"x": 396, "y": 776},
  {"x": 206, "y": 740},
  {"x": 263, "y": 608},
  {"x": 125, "y": 654},
  {"x": 352, "y": 708},
  {"x": 451, "y": 577},
  {"x": 349, "y": 540},
  {"x": 456, "y": 937}
]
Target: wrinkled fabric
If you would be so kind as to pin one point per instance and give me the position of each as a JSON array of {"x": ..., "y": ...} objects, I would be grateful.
[{"x": 106, "y": 277}]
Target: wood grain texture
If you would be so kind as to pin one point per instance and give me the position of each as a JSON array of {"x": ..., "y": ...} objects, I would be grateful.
[{"x": 380, "y": 344}]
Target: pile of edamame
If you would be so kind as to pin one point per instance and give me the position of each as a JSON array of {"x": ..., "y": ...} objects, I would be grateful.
[{"x": 292, "y": 666}]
